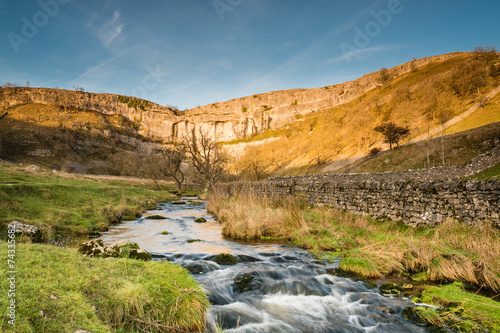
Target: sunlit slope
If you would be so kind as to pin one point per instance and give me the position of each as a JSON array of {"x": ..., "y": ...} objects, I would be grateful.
[{"x": 328, "y": 139}]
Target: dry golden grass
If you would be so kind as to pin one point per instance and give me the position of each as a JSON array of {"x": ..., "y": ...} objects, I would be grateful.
[{"x": 452, "y": 251}]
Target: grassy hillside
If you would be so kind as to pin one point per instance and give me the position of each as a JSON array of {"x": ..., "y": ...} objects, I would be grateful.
[
  {"x": 459, "y": 149},
  {"x": 416, "y": 99}
]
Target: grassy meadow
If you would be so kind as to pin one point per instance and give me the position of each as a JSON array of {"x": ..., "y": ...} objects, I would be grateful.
[
  {"x": 62, "y": 204},
  {"x": 60, "y": 290}
]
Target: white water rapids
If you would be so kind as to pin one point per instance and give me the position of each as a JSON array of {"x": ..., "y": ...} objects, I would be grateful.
[{"x": 288, "y": 289}]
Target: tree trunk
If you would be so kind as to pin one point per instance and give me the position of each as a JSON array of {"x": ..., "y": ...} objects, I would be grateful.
[
  {"x": 442, "y": 143},
  {"x": 427, "y": 145}
]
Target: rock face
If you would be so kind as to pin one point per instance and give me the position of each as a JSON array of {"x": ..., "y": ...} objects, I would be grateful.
[
  {"x": 121, "y": 249},
  {"x": 224, "y": 121}
]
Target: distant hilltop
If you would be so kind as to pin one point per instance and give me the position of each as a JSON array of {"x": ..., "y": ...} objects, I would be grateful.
[{"x": 224, "y": 121}]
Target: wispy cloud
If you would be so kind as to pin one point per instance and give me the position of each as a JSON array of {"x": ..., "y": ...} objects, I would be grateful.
[
  {"x": 111, "y": 29},
  {"x": 106, "y": 27}
]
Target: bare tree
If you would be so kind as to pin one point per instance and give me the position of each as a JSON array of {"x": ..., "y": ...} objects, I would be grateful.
[
  {"x": 206, "y": 156},
  {"x": 252, "y": 166},
  {"x": 78, "y": 88},
  {"x": 171, "y": 165}
]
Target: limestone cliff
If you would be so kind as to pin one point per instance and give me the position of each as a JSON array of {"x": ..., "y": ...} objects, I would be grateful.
[{"x": 224, "y": 121}]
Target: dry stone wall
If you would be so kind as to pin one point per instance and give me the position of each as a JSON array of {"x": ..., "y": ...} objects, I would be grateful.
[{"x": 419, "y": 197}]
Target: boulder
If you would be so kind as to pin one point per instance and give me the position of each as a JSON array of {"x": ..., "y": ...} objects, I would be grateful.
[
  {"x": 390, "y": 288},
  {"x": 121, "y": 249},
  {"x": 93, "y": 248},
  {"x": 139, "y": 254},
  {"x": 21, "y": 229},
  {"x": 225, "y": 259},
  {"x": 412, "y": 315},
  {"x": 200, "y": 220},
  {"x": 246, "y": 282},
  {"x": 200, "y": 266}
]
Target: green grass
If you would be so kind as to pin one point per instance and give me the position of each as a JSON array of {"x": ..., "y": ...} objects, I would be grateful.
[
  {"x": 492, "y": 173},
  {"x": 465, "y": 311},
  {"x": 60, "y": 290},
  {"x": 69, "y": 205}
]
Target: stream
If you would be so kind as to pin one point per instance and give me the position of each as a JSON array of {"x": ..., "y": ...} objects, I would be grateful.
[{"x": 281, "y": 288}]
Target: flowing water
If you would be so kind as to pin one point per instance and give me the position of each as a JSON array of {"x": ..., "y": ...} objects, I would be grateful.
[{"x": 283, "y": 289}]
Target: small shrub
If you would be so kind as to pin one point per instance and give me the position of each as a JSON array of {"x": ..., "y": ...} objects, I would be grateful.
[{"x": 374, "y": 151}]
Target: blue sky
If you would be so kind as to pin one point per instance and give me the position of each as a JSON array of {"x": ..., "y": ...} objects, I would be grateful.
[{"x": 195, "y": 52}]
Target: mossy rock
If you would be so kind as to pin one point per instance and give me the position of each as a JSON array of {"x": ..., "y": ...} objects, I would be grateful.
[
  {"x": 156, "y": 217},
  {"x": 225, "y": 259},
  {"x": 165, "y": 233},
  {"x": 140, "y": 254},
  {"x": 88, "y": 247},
  {"x": 193, "y": 240},
  {"x": 94, "y": 234},
  {"x": 121, "y": 249},
  {"x": 413, "y": 315},
  {"x": 178, "y": 202},
  {"x": 124, "y": 245},
  {"x": 390, "y": 288},
  {"x": 195, "y": 203},
  {"x": 341, "y": 272},
  {"x": 200, "y": 220},
  {"x": 245, "y": 282}
]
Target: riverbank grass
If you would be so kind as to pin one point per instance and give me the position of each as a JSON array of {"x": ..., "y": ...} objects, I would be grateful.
[
  {"x": 452, "y": 251},
  {"x": 60, "y": 290},
  {"x": 62, "y": 204},
  {"x": 459, "y": 310}
]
